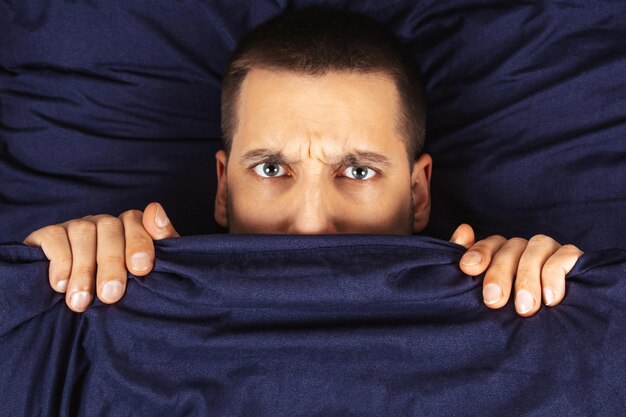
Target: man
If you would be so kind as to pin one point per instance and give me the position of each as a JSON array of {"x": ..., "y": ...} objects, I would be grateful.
[{"x": 323, "y": 123}]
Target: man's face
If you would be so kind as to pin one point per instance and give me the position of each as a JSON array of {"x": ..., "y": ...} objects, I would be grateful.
[{"x": 320, "y": 154}]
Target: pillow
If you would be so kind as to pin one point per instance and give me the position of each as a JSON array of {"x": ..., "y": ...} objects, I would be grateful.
[
  {"x": 310, "y": 325},
  {"x": 526, "y": 123},
  {"x": 108, "y": 106}
]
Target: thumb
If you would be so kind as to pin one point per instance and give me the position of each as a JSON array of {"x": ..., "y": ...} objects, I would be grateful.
[
  {"x": 156, "y": 222},
  {"x": 464, "y": 236}
]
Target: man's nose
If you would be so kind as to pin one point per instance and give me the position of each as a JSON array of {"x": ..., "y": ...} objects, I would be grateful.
[{"x": 312, "y": 213}]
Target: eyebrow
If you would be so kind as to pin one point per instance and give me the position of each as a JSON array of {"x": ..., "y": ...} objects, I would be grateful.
[{"x": 349, "y": 159}]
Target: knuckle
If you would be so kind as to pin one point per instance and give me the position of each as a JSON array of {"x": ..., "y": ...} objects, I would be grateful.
[
  {"x": 53, "y": 231},
  {"x": 83, "y": 271},
  {"x": 64, "y": 261},
  {"x": 518, "y": 241},
  {"x": 497, "y": 272},
  {"x": 139, "y": 240},
  {"x": 81, "y": 227},
  {"x": 525, "y": 275},
  {"x": 111, "y": 260},
  {"x": 109, "y": 222},
  {"x": 570, "y": 249},
  {"x": 551, "y": 270},
  {"x": 481, "y": 246},
  {"x": 497, "y": 237},
  {"x": 540, "y": 240},
  {"x": 131, "y": 214}
]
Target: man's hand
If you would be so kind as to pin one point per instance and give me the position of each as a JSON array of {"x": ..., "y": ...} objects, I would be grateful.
[
  {"x": 535, "y": 264},
  {"x": 113, "y": 244}
]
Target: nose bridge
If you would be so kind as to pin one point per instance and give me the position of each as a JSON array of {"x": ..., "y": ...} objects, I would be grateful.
[{"x": 311, "y": 204}]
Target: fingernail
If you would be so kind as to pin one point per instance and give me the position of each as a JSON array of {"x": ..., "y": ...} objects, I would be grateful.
[
  {"x": 62, "y": 285},
  {"x": 140, "y": 261},
  {"x": 548, "y": 295},
  {"x": 160, "y": 218},
  {"x": 524, "y": 301},
  {"x": 80, "y": 300},
  {"x": 471, "y": 258},
  {"x": 112, "y": 290},
  {"x": 492, "y": 293}
]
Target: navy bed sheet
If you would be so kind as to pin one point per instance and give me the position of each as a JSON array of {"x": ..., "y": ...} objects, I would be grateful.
[
  {"x": 108, "y": 105},
  {"x": 310, "y": 326}
]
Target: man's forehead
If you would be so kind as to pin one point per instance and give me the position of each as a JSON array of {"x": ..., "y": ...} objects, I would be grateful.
[{"x": 333, "y": 117}]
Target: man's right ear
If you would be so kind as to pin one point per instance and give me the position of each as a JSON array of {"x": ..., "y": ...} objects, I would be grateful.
[{"x": 221, "y": 197}]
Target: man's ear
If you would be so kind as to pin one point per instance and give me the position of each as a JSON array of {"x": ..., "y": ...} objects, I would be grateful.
[
  {"x": 221, "y": 197},
  {"x": 420, "y": 188}
]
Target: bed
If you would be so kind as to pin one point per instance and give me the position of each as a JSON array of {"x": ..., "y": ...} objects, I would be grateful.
[{"x": 106, "y": 106}]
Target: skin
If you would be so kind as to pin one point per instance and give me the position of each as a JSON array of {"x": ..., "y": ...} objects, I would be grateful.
[{"x": 315, "y": 133}]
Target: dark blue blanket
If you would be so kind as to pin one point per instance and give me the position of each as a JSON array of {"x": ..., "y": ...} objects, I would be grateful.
[{"x": 310, "y": 326}]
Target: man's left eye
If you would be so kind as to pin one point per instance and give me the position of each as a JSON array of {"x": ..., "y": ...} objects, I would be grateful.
[
  {"x": 359, "y": 173},
  {"x": 269, "y": 170}
]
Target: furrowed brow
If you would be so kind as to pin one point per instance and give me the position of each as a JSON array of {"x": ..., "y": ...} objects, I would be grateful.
[
  {"x": 259, "y": 155},
  {"x": 262, "y": 155},
  {"x": 365, "y": 159}
]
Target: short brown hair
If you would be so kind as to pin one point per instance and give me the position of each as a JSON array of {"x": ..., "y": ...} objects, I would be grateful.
[{"x": 317, "y": 40}]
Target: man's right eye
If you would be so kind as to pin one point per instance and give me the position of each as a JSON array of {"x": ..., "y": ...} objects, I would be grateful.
[{"x": 269, "y": 170}]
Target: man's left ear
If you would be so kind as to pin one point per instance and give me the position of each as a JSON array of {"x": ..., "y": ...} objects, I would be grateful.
[{"x": 420, "y": 188}]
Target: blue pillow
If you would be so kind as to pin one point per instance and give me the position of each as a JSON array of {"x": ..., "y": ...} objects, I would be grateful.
[{"x": 107, "y": 106}]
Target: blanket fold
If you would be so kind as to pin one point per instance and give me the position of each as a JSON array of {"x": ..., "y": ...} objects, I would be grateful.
[{"x": 359, "y": 325}]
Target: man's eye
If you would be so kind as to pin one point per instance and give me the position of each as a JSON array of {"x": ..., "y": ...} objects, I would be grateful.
[
  {"x": 359, "y": 173},
  {"x": 269, "y": 170}
]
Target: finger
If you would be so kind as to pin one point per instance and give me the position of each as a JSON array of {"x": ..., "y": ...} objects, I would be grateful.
[
  {"x": 56, "y": 246},
  {"x": 156, "y": 222},
  {"x": 82, "y": 237},
  {"x": 139, "y": 251},
  {"x": 463, "y": 235},
  {"x": 498, "y": 282},
  {"x": 554, "y": 272},
  {"x": 111, "y": 274},
  {"x": 476, "y": 260},
  {"x": 528, "y": 280}
]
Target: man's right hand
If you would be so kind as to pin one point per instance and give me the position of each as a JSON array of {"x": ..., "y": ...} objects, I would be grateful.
[{"x": 94, "y": 252}]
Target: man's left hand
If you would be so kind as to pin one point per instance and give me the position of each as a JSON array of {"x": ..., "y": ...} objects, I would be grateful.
[{"x": 538, "y": 265}]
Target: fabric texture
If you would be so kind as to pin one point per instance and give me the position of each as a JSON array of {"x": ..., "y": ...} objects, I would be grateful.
[
  {"x": 108, "y": 105},
  {"x": 310, "y": 326}
]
